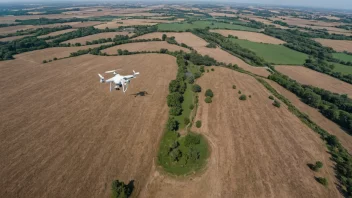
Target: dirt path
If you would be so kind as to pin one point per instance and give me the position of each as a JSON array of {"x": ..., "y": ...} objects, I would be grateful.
[{"x": 257, "y": 150}]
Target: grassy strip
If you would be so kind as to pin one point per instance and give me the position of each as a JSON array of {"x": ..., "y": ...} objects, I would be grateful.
[
  {"x": 188, "y": 98},
  {"x": 339, "y": 154}
]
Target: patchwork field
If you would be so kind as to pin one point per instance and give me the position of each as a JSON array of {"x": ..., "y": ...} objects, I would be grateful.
[
  {"x": 202, "y": 24},
  {"x": 275, "y": 54},
  {"x": 316, "y": 116},
  {"x": 338, "y": 45},
  {"x": 83, "y": 40},
  {"x": 344, "y": 69},
  {"x": 310, "y": 77},
  {"x": 86, "y": 24},
  {"x": 343, "y": 56},
  {"x": 145, "y": 46},
  {"x": 65, "y": 135},
  {"x": 257, "y": 150},
  {"x": 251, "y": 36},
  {"x": 57, "y": 33},
  {"x": 12, "y": 38},
  {"x": 38, "y": 56},
  {"x": 130, "y": 22}
]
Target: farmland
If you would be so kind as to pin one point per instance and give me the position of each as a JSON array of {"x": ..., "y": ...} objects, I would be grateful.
[
  {"x": 344, "y": 69},
  {"x": 202, "y": 24},
  {"x": 343, "y": 56},
  {"x": 105, "y": 35},
  {"x": 250, "y": 36},
  {"x": 338, "y": 45},
  {"x": 275, "y": 54}
]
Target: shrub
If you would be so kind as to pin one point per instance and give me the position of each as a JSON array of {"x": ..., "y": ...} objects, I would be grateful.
[
  {"x": 207, "y": 70},
  {"x": 191, "y": 80},
  {"x": 208, "y": 99},
  {"x": 192, "y": 139},
  {"x": 211, "y": 45},
  {"x": 322, "y": 180},
  {"x": 55, "y": 58},
  {"x": 191, "y": 106},
  {"x": 315, "y": 167},
  {"x": 202, "y": 69},
  {"x": 119, "y": 52},
  {"x": 44, "y": 61},
  {"x": 198, "y": 124},
  {"x": 186, "y": 121},
  {"x": 50, "y": 60},
  {"x": 120, "y": 189},
  {"x": 174, "y": 99},
  {"x": 175, "y": 154},
  {"x": 163, "y": 51},
  {"x": 212, "y": 69},
  {"x": 196, "y": 88},
  {"x": 175, "y": 111},
  {"x": 209, "y": 93},
  {"x": 276, "y": 103},
  {"x": 271, "y": 97},
  {"x": 197, "y": 75},
  {"x": 239, "y": 92},
  {"x": 233, "y": 86},
  {"x": 164, "y": 37},
  {"x": 250, "y": 96},
  {"x": 172, "y": 124},
  {"x": 243, "y": 97}
]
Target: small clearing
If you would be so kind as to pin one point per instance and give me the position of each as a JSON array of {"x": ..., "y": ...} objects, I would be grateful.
[
  {"x": 83, "y": 40},
  {"x": 338, "y": 45},
  {"x": 310, "y": 77},
  {"x": 145, "y": 46},
  {"x": 251, "y": 36}
]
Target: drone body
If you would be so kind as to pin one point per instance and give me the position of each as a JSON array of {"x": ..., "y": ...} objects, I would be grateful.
[{"x": 119, "y": 80}]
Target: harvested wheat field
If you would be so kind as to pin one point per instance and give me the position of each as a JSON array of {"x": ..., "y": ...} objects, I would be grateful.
[
  {"x": 13, "y": 29},
  {"x": 257, "y": 150},
  {"x": 251, "y": 36},
  {"x": 129, "y": 22},
  {"x": 86, "y": 24},
  {"x": 57, "y": 33},
  {"x": 338, "y": 45},
  {"x": 83, "y": 40},
  {"x": 310, "y": 77},
  {"x": 220, "y": 14},
  {"x": 316, "y": 116},
  {"x": 145, "y": 46},
  {"x": 12, "y": 38},
  {"x": 38, "y": 56},
  {"x": 66, "y": 135}
]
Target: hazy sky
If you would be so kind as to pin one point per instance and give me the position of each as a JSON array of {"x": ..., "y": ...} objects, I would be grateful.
[{"x": 342, "y": 4}]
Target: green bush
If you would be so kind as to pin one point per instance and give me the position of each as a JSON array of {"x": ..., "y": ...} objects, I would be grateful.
[
  {"x": 174, "y": 99},
  {"x": 198, "y": 124},
  {"x": 212, "y": 69},
  {"x": 196, "y": 88},
  {"x": 243, "y": 97},
  {"x": 276, "y": 103},
  {"x": 172, "y": 124},
  {"x": 192, "y": 139},
  {"x": 163, "y": 50},
  {"x": 191, "y": 106},
  {"x": 197, "y": 75},
  {"x": 239, "y": 92},
  {"x": 121, "y": 190},
  {"x": 175, "y": 111},
  {"x": 202, "y": 69},
  {"x": 191, "y": 80},
  {"x": 208, "y": 99},
  {"x": 164, "y": 37},
  {"x": 55, "y": 58},
  {"x": 271, "y": 97},
  {"x": 207, "y": 70},
  {"x": 322, "y": 180},
  {"x": 315, "y": 167},
  {"x": 186, "y": 121},
  {"x": 209, "y": 93},
  {"x": 250, "y": 96},
  {"x": 233, "y": 86},
  {"x": 44, "y": 61}
]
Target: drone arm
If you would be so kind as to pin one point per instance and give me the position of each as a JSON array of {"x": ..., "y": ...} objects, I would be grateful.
[{"x": 102, "y": 79}]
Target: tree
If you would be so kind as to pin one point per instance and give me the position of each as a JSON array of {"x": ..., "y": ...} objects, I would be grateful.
[
  {"x": 175, "y": 111},
  {"x": 243, "y": 97},
  {"x": 322, "y": 180},
  {"x": 163, "y": 51},
  {"x": 172, "y": 124},
  {"x": 174, "y": 86},
  {"x": 202, "y": 69},
  {"x": 120, "y": 189},
  {"x": 209, "y": 93},
  {"x": 208, "y": 99},
  {"x": 198, "y": 124},
  {"x": 276, "y": 104},
  {"x": 332, "y": 140},
  {"x": 174, "y": 99},
  {"x": 191, "y": 106},
  {"x": 239, "y": 92},
  {"x": 212, "y": 69},
  {"x": 55, "y": 58},
  {"x": 196, "y": 88},
  {"x": 44, "y": 61},
  {"x": 197, "y": 75},
  {"x": 175, "y": 154},
  {"x": 191, "y": 80},
  {"x": 163, "y": 37},
  {"x": 318, "y": 165},
  {"x": 233, "y": 86},
  {"x": 119, "y": 52},
  {"x": 311, "y": 98},
  {"x": 186, "y": 121},
  {"x": 271, "y": 97}
]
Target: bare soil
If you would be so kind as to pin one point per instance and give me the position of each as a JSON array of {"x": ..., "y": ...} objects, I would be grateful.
[
  {"x": 338, "y": 45},
  {"x": 316, "y": 116},
  {"x": 65, "y": 135},
  {"x": 251, "y": 36},
  {"x": 145, "y": 46},
  {"x": 310, "y": 77},
  {"x": 82, "y": 40},
  {"x": 257, "y": 150}
]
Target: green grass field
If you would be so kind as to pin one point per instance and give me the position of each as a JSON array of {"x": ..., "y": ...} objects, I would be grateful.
[
  {"x": 342, "y": 56},
  {"x": 275, "y": 54},
  {"x": 188, "y": 97},
  {"x": 342, "y": 68},
  {"x": 202, "y": 24}
]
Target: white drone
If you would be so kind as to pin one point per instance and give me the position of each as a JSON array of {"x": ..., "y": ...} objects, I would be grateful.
[{"x": 120, "y": 81}]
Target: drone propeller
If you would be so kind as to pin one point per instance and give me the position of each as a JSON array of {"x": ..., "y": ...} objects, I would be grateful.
[
  {"x": 112, "y": 71},
  {"x": 110, "y": 86}
]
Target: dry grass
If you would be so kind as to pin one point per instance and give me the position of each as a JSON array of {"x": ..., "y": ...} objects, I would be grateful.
[
  {"x": 316, "y": 116},
  {"x": 145, "y": 46},
  {"x": 12, "y": 38},
  {"x": 251, "y": 36},
  {"x": 86, "y": 24},
  {"x": 338, "y": 45},
  {"x": 309, "y": 77},
  {"x": 106, "y": 35},
  {"x": 57, "y": 33},
  {"x": 62, "y": 131},
  {"x": 257, "y": 150}
]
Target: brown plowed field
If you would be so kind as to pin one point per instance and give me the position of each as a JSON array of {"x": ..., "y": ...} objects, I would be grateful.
[
  {"x": 38, "y": 56},
  {"x": 199, "y": 45},
  {"x": 57, "y": 33},
  {"x": 251, "y": 36},
  {"x": 316, "y": 116},
  {"x": 106, "y": 35},
  {"x": 257, "y": 150},
  {"x": 63, "y": 134},
  {"x": 338, "y": 45},
  {"x": 310, "y": 77},
  {"x": 145, "y": 46}
]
